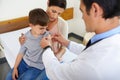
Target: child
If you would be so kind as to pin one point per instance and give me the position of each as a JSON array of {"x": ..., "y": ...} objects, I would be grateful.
[{"x": 28, "y": 63}]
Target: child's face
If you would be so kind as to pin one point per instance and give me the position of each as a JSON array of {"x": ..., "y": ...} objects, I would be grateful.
[{"x": 38, "y": 29}]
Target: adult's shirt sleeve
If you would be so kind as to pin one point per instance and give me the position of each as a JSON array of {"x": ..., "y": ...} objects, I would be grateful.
[
  {"x": 64, "y": 30},
  {"x": 75, "y": 47},
  {"x": 63, "y": 27},
  {"x": 75, "y": 70}
]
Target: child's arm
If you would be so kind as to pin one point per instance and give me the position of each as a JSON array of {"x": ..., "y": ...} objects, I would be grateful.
[{"x": 17, "y": 62}]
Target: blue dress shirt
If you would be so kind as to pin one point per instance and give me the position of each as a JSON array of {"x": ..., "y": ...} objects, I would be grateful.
[{"x": 105, "y": 34}]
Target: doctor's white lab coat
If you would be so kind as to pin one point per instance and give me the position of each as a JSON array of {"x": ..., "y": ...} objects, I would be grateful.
[{"x": 100, "y": 61}]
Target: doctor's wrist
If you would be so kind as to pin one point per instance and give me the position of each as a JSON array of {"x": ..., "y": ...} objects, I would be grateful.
[{"x": 47, "y": 47}]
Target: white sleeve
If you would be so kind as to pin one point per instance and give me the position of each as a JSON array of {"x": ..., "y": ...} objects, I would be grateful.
[
  {"x": 63, "y": 27},
  {"x": 51, "y": 64},
  {"x": 65, "y": 30},
  {"x": 76, "y": 70},
  {"x": 75, "y": 47}
]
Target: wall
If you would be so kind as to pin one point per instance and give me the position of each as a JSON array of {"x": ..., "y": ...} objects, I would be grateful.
[
  {"x": 16, "y": 8},
  {"x": 76, "y": 24}
]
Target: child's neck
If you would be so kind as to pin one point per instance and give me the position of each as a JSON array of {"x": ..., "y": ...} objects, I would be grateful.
[{"x": 34, "y": 34}]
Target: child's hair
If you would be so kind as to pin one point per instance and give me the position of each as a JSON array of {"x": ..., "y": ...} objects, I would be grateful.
[{"x": 38, "y": 17}]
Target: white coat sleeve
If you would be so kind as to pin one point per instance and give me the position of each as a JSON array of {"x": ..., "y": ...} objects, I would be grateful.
[
  {"x": 75, "y": 47},
  {"x": 76, "y": 70}
]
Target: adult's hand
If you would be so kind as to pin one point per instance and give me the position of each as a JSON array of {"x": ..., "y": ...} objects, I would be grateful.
[
  {"x": 22, "y": 39},
  {"x": 59, "y": 37},
  {"x": 45, "y": 41}
]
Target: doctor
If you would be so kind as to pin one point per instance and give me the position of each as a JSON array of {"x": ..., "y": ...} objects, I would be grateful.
[{"x": 100, "y": 60}]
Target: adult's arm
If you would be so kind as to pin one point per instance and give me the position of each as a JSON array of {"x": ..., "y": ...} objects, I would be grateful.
[
  {"x": 76, "y": 70},
  {"x": 75, "y": 47},
  {"x": 72, "y": 46},
  {"x": 63, "y": 27}
]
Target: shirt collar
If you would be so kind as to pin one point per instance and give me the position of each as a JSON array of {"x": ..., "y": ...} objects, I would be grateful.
[{"x": 105, "y": 34}]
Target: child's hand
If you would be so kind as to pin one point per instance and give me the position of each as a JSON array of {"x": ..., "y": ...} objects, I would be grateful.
[{"x": 15, "y": 74}]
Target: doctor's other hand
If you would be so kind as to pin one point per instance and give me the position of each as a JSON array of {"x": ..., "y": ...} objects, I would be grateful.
[
  {"x": 45, "y": 41},
  {"x": 22, "y": 39},
  {"x": 59, "y": 37}
]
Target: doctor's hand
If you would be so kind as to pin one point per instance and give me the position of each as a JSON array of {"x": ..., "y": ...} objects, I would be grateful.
[
  {"x": 22, "y": 39},
  {"x": 59, "y": 37},
  {"x": 45, "y": 41}
]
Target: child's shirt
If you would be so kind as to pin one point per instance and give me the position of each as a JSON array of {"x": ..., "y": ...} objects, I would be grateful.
[{"x": 32, "y": 50}]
